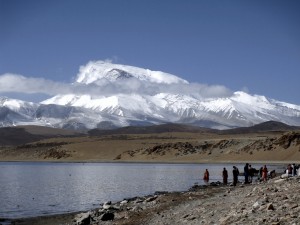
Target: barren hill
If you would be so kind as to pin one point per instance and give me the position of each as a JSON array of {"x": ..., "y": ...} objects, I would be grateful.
[
  {"x": 163, "y": 143},
  {"x": 269, "y": 126}
]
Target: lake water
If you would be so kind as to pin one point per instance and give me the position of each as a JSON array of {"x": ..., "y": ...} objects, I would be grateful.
[{"x": 34, "y": 189}]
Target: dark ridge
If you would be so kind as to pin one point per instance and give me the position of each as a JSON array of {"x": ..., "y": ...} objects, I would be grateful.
[
  {"x": 163, "y": 128},
  {"x": 16, "y": 136},
  {"x": 13, "y": 136},
  {"x": 50, "y": 131},
  {"x": 269, "y": 126}
]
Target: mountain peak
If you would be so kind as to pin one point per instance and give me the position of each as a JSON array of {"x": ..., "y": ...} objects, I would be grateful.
[
  {"x": 95, "y": 71},
  {"x": 246, "y": 98}
]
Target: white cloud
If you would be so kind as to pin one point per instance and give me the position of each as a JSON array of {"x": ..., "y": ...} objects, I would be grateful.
[
  {"x": 20, "y": 84},
  {"x": 29, "y": 85},
  {"x": 133, "y": 85},
  {"x": 103, "y": 87}
]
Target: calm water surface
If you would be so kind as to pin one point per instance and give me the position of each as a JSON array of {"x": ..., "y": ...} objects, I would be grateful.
[{"x": 34, "y": 189}]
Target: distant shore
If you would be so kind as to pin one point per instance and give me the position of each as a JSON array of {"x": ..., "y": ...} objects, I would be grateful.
[{"x": 155, "y": 162}]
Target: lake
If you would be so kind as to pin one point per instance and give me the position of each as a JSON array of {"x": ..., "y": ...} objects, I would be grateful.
[{"x": 35, "y": 189}]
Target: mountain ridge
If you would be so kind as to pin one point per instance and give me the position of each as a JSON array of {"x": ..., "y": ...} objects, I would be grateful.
[{"x": 134, "y": 105}]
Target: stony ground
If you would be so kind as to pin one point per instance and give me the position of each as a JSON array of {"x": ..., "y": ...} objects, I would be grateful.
[{"x": 276, "y": 201}]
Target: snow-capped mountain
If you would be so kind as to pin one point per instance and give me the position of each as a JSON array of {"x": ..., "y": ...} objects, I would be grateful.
[
  {"x": 96, "y": 71},
  {"x": 87, "y": 111}
]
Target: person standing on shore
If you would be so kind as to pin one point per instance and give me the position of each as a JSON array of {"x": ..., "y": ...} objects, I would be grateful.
[
  {"x": 289, "y": 169},
  {"x": 225, "y": 176},
  {"x": 206, "y": 176},
  {"x": 260, "y": 173},
  {"x": 264, "y": 173},
  {"x": 251, "y": 173},
  {"x": 246, "y": 173},
  {"x": 294, "y": 169},
  {"x": 235, "y": 173}
]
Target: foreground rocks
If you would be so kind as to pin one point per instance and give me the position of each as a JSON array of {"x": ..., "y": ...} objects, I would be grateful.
[{"x": 274, "y": 202}]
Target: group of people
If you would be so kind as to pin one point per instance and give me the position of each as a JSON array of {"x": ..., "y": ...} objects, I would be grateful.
[
  {"x": 249, "y": 172},
  {"x": 292, "y": 170}
]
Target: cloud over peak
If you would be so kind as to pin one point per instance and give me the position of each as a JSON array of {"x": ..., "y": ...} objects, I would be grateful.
[
  {"x": 97, "y": 70},
  {"x": 103, "y": 78}
]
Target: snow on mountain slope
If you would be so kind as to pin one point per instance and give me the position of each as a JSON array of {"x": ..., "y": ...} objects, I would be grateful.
[
  {"x": 24, "y": 109},
  {"x": 15, "y": 104},
  {"x": 130, "y": 106},
  {"x": 14, "y": 112},
  {"x": 97, "y": 70},
  {"x": 85, "y": 112},
  {"x": 286, "y": 105},
  {"x": 241, "y": 109}
]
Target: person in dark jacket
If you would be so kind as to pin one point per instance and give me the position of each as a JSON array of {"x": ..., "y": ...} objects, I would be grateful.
[
  {"x": 225, "y": 176},
  {"x": 235, "y": 173},
  {"x": 246, "y": 173}
]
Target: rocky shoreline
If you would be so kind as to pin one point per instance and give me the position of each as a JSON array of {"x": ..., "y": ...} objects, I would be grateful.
[{"x": 273, "y": 202}]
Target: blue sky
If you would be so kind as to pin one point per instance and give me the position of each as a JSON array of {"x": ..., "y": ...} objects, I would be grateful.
[{"x": 242, "y": 45}]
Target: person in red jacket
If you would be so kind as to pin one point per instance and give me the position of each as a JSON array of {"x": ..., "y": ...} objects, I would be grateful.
[
  {"x": 264, "y": 173},
  {"x": 206, "y": 176}
]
